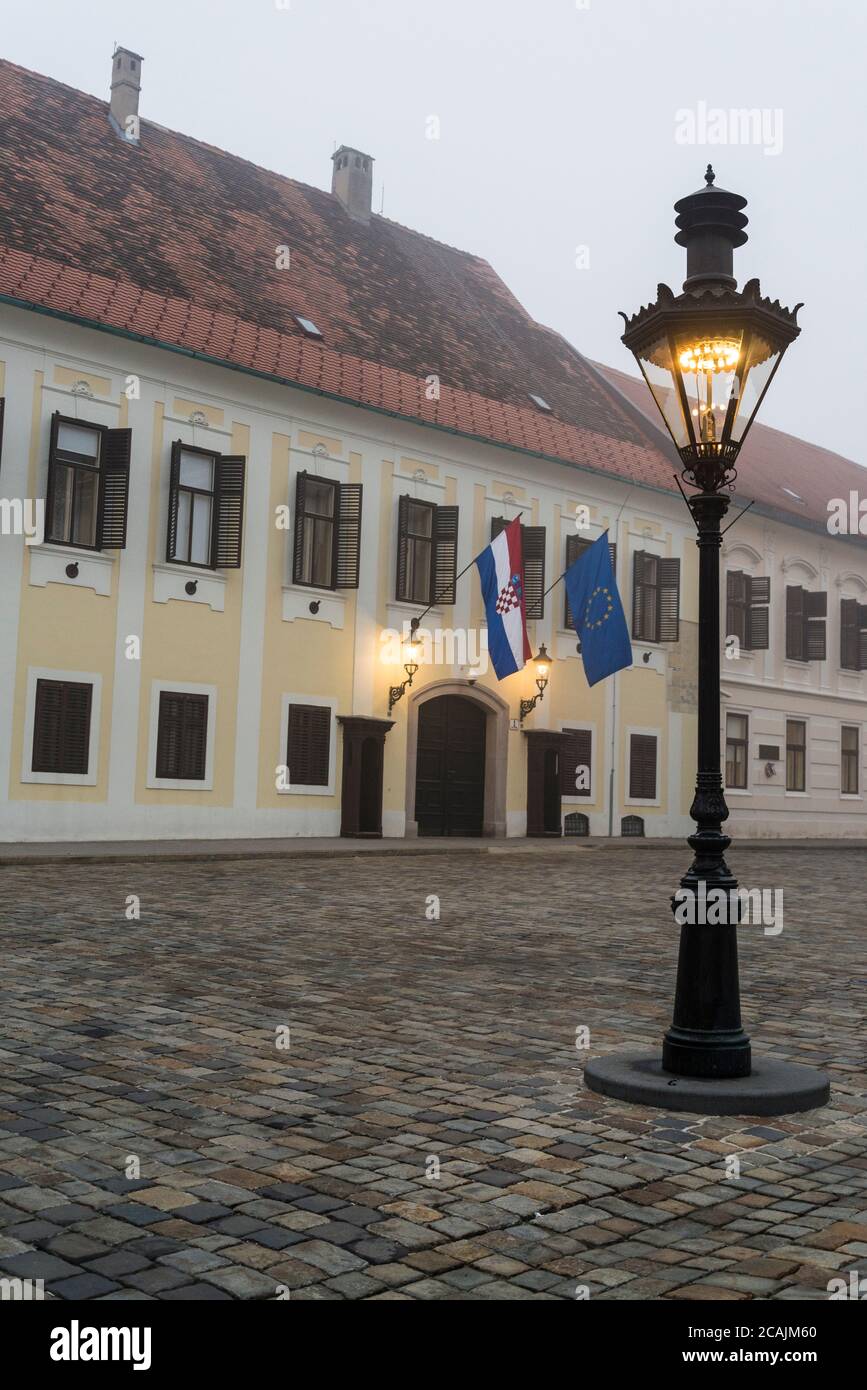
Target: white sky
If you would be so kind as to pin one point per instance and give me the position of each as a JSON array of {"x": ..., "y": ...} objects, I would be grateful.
[{"x": 558, "y": 124}]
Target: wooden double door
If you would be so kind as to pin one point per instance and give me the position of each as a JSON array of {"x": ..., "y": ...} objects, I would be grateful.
[{"x": 450, "y": 767}]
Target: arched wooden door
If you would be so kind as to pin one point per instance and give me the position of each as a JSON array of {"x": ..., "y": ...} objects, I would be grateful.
[{"x": 450, "y": 767}]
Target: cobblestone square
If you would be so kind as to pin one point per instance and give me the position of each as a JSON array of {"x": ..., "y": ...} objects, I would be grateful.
[{"x": 422, "y": 1130}]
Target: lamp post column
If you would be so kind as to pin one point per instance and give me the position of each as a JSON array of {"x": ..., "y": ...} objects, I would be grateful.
[{"x": 706, "y": 1038}]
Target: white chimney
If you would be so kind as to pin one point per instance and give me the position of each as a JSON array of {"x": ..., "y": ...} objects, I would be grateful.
[
  {"x": 352, "y": 182},
  {"x": 125, "y": 91}
]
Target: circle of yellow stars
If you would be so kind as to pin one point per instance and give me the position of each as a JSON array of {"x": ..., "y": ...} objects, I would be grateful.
[{"x": 608, "y": 611}]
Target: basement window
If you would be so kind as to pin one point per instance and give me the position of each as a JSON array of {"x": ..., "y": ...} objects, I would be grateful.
[
  {"x": 539, "y": 402},
  {"x": 308, "y": 326}
]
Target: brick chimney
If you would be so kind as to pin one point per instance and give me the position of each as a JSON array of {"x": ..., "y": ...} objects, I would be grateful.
[
  {"x": 125, "y": 91},
  {"x": 352, "y": 182}
]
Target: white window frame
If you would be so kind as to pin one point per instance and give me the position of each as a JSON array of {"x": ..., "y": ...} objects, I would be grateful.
[
  {"x": 176, "y": 784},
  {"x": 650, "y": 733},
  {"x": 325, "y": 702},
  {"x": 61, "y": 779}
]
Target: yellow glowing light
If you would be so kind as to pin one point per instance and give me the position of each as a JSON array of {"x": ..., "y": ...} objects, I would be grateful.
[{"x": 711, "y": 355}]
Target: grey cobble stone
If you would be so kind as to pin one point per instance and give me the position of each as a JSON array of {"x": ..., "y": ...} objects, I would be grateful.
[{"x": 411, "y": 1040}]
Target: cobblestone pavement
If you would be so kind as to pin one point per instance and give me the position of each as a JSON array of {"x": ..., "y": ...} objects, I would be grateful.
[{"x": 412, "y": 1044}]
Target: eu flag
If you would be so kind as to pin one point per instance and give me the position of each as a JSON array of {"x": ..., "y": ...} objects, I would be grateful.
[{"x": 597, "y": 613}]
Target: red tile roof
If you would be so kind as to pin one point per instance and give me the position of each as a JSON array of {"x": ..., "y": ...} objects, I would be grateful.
[
  {"x": 175, "y": 242},
  {"x": 770, "y": 462}
]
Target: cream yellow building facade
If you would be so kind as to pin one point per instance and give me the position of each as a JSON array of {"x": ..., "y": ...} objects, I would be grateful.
[
  {"x": 255, "y": 643},
  {"x": 247, "y": 637}
]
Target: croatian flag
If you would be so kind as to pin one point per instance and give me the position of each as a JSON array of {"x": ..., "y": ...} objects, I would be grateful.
[{"x": 501, "y": 570}]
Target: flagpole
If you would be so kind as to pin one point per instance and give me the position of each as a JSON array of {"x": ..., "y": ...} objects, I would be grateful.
[{"x": 611, "y": 767}]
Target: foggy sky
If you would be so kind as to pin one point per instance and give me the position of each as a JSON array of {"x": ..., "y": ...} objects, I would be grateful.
[{"x": 558, "y": 122}]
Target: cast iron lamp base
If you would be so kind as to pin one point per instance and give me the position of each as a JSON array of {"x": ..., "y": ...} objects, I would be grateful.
[{"x": 772, "y": 1087}]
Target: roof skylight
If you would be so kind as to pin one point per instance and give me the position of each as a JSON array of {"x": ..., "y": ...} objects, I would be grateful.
[
  {"x": 539, "y": 401},
  {"x": 308, "y": 326}
]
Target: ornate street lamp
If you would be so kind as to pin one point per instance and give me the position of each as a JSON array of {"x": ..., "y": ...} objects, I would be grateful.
[
  {"x": 708, "y": 356},
  {"x": 542, "y": 662},
  {"x": 411, "y": 651}
]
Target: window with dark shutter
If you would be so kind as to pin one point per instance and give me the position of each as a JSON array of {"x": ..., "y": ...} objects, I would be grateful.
[
  {"x": 327, "y": 551},
  {"x": 182, "y": 736},
  {"x": 88, "y": 485},
  {"x": 533, "y": 551},
  {"x": 642, "y": 767},
  {"x": 427, "y": 552},
  {"x": 577, "y": 754},
  {"x": 747, "y": 611},
  {"x": 655, "y": 598},
  {"x": 61, "y": 727},
  {"x": 575, "y": 546},
  {"x": 206, "y": 508},
  {"x": 806, "y": 613},
  {"x": 853, "y": 635},
  {"x": 308, "y": 745}
]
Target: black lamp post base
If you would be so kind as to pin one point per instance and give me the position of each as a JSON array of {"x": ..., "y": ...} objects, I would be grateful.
[{"x": 772, "y": 1088}]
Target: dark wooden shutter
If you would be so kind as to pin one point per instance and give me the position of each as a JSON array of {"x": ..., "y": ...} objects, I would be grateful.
[
  {"x": 533, "y": 550},
  {"x": 575, "y": 546},
  {"x": 642, "y": 767},
  {"x": 758, "y": 627},
  {"x": 2, "y": 416},
  {"x": 736, "y": 606},
  {"x": 862, "y": 636},
  {"x": 347, "y": 551},
  {"x": 174, "y": 480},
  {"x": 114, "y": 489},
  {"x": 403, "y": 504},
  {"x": 795, "y": 627},
  {"x": 298, "y": 549},
  {"x": 49, "y": 488},
  {"x": 445, "y": 566},
  {"x": 308, "y": 745},
  {"x": 182, "y": 736},
  {"x": 645, "y": 596},
  {"x": 578, "y": 752},
  {"x": 229, "y": 508},
  {"x": 815, "y": 612},
  {"x": 850, "y": 636},
  {"x": 61, "y": 727},
  {"x": 668, "y": 627}
]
